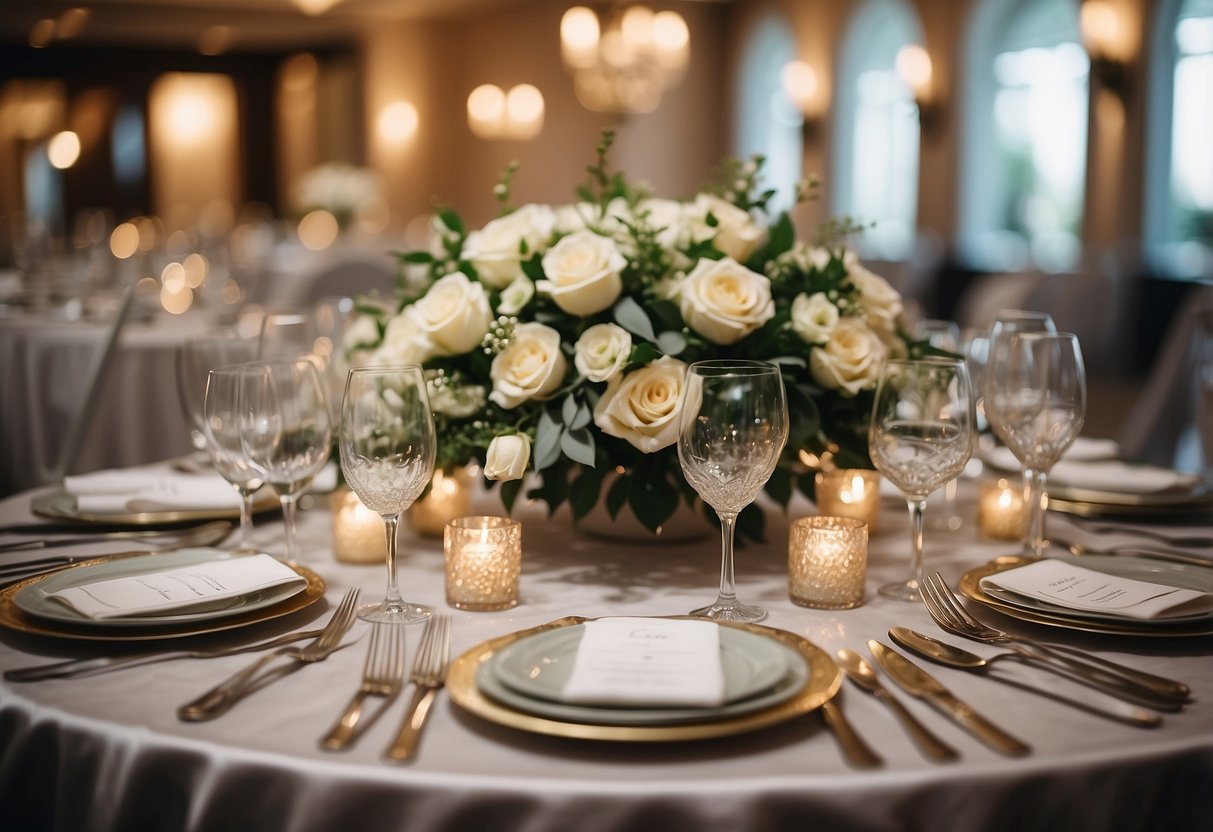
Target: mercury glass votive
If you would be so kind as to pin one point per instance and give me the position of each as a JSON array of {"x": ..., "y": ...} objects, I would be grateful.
[
  {"x": 483, "y": 560},
  {"x": 827, "y": 562},
  {"x": 1001, "y": 514},
  {"x": 357, "y": 531},
  {"x": 849, "y": 492},
  {"x": 450, "y": 496}
]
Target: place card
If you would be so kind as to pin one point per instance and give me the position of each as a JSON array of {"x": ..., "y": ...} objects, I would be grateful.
[
  {"x": 196, "y": 588},
  {"x": 1075, "y": 587},
  {"x": 640, "y": 662}
]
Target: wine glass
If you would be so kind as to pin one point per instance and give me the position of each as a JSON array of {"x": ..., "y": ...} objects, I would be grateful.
[
  {"x": 195, "y": 358},
  {"x": 1036, "y": 399},
  {"x": 943, "y": 335},
  {"x": 285, "y": 430},
  {"x": 732, "y": 426},
  {"x": 287, "y": 334},
  {"x": 920, "y": 436},
  {"x": 221, "y": 425},
  {"x": 387, "y": 444}
]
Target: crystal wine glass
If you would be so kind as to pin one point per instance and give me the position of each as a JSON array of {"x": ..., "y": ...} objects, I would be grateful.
[
  {"x": 221, "y": 425},
  {"x": 920, "y": 436},
  {"x": 387, "y": 444},
  {"x": 195, "y": 358},
  {"x": 285, "y": 430},
  {"x": 287, "y": 334},
  {"x": 1036, "y": 399},
  {"x": 942, "y": 335},
  {"x": 733, "y": 423}
]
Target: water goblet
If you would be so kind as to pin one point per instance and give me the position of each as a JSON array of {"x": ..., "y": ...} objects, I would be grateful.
[
  {"x": 221, "y": 427},
  {"x": 387, "y": 444},
  {"x": 1036, "y": 398},
  {"x": 732, "y": 426},
  {"x": 920, "y": 436},
  {"x": 195, "y": 358},
  {"x": 288, "y": 334}
]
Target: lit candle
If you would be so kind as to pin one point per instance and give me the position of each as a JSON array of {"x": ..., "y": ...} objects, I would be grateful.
[
  {"x": 483, "y": 559},
  {"x": 827, "y": 562},
  {"x": 358, "y": 532},
  {"x": 1000, "y": 511},
  {"x": 450, "y": 496},
  {"x": 850, "y": 492}
]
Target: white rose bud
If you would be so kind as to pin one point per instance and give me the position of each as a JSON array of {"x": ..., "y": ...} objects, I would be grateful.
[
  {"x": 507, "y": 457},
  {"x": 583, "y": 273},
  {"x": 850, "y": 361},
  {"x": 531, "y": 367},
  {"x": 735, "y": 233},
  {"x": 881, "y": 303},
  {"x": 496, "y": 250},
  {"x": 642, "y": 407},
  {"x": 601, "y": 352},
  {"x": 454, "y": 314},
  {"x": 814, "y": 317},
  {"x": 724, "y": 301},
  {"x": 515, "y": 296}
]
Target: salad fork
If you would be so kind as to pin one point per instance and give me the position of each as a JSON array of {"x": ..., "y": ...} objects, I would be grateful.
[
  {"x": 382, "y": 676},
  {"x": 428, "y": 675}
]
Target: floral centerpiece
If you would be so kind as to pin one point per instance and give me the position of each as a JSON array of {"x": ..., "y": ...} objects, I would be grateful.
[
  {"x": 556, "y": 339},
  {"x": 337, "y": 187}
]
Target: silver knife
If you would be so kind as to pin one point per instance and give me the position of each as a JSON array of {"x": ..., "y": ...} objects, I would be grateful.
[{"x": 917, "y": 682}]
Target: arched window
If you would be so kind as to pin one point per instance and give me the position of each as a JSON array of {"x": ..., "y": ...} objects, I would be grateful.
[
  {"x": 768, "y": 122},
  {"x": 875, "y": 176},
  {"x": 1025, "y": 135},
  {"x": 1179, "y": 177}
]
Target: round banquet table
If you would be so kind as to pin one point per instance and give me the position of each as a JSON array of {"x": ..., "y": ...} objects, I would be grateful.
[{"x": 107, "y": 752}]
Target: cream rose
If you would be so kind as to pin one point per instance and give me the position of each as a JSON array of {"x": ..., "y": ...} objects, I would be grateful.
[
  {"x": 735, "y": 233},
  {"x": 531, "y": 367},
  {"x": 496, "y": 250},
  {"x": 454, "y": 314},
  {"x": 642, "y": 407},
  {"x": 850, "y": 361},
  {"x": 601, "y": 352},
  {"x": 583, "y": 273},
  {"x": 724, "y": 301},
  {"x": 881, "y": 303},
  {"x": 814, "y": 317},
  {"x": 403, "y": 341},
  {"x": 458, "y": 401},
  {"x": 507, "y": 457},
  {"x": 515, "y": 296},
  {"x": 668, "y": 218}
]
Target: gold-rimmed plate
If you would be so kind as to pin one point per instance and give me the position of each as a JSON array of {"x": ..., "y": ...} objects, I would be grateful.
[
  {"x": 60, "y": 505},
  {"x": 820, "y": 685},
  {"x": 15, "y": 618}
]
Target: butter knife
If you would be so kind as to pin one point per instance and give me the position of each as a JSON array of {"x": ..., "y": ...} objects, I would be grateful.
[{"x": 917, "y": 682}]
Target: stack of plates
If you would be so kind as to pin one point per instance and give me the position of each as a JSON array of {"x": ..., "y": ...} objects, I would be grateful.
[{"x": 517, "y": 680}]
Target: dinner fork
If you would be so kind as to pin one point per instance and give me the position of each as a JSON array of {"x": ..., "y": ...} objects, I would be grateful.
[
  {"x": 218, "y": 700},
  {"x": 381, "y": 676},
  {"x": 428, "y": 675},
  {"x": 1116, "y": 679}
]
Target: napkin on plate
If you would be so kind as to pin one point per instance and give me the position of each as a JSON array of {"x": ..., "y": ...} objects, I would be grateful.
[
  {"x": 149, "y": 489},
  {"x": 1075, "y": 587},
  {"x": 185, "y": 589},
  {"x": 1121, "y": 477},
  {"x": 647, "y": 662},
  {"x": 1084, "y": 449}
]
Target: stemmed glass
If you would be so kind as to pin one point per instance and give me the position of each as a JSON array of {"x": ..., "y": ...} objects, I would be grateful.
[
  {"x": 221, "y": 425},
  {"x": 285, "y": 430},
  {"x": 195, "y": 358},
  {"x": 943, "y": 335},
  {"x": 921, "y": 436},
  {"x": 387, "y": 444},
  {"x": 287, "y": 334},
  {"x": 732, "y": 426},
  {"x": 1036, "y": 399}
]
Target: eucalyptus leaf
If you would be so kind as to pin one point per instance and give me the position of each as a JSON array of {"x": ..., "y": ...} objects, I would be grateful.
[
  {"x": 547, "y": 442},
  {"x": 671, "y": 342},
  {"x": 581, "y": 418},
  {"x": 568, "y": 410},
  {"x": 583, "y": 493},
  {"x": 509, "y": 493},
  {"x": 578, "y": 445},
  {"x": 631, "y": 316}
]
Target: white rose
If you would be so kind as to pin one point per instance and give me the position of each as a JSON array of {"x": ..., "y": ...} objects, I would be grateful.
[
  {"x": 361, "y": 332},
  {"x": 583, "y": 273},
  {"x": 735, "y": 233},
  {"x": 850, "y": 361},
  {"x": 496, "y": 250},
  {"x": 458, "y": 401},
  {"x": 515, "y": 296},
  {"x": 724, "y": 301},
  {"x": 642, "y": 407},
  {"x": 531, "y": 367},
  {"x": 881, "y": 303},
  {"x": 668, "y": 218},
  {"x": 403, "y": 341},
  {"x": 570, "y": 218},
  {"x": 814, "y": 317},
  {"x": 507, "y": 457},
  {"x": 601, "y": 352},
  {"x": 454, "y": 314}
]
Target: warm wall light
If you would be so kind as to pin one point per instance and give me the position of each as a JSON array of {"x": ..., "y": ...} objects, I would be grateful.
[
  {"x": 1105, "y": 39},
  {"x": 315, "y": 7},
  {"x": 799, "y": 82},
  {"x": 63, "y": 149},
  {"x": 496, "y": 114},
  {"x": 42, "y": 33},
  {"x": 914, "y": 66},
  {"x": 524, "y": 111},
  {"x": 318, "y": 230},
  {"x": 397, "y": 122}
]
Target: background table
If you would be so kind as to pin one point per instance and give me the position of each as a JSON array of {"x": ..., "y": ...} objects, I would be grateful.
[{"x": 108, "y": 752}]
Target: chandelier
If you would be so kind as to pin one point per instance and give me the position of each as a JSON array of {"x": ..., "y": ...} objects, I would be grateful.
[{"x": 624, "y": 62}]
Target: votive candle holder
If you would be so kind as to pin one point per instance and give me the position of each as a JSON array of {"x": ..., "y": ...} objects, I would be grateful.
[
  {"x": 483, "y": 562},
  {"x": 1001, "y": 513},
  {"x": 849, "y": 492},
  {"x": 827, "y": 562},
  {"x": 450, "y": 496},
  {"x": 358, "y": 532}
]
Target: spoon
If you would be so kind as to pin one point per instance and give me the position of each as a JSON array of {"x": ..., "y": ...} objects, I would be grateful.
[
  {"x": 1135, "y": 550},
  {"x": 863, "y": 675},
  {"x": 1200, "y": 541},
  {"x": 946, "y": 654}
]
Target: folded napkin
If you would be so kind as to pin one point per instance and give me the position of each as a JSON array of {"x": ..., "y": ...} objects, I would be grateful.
[
  {"x": 1067, "y": 585},
  {"x": 150, "y": 489},
  {"x": 185, "y": 589},
  {"x": 1121, "y": 477},
  {"x": 1084, "y": 449},
  {"x": 647, "y": 662}
]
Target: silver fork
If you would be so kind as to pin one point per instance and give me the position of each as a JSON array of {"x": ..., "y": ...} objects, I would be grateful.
[
  {"x": 382, "y": 676},
  {"x": 428, "y": 675},
  {"x": 220, "y": 698},
  {"x": 1116, "y": 679}
]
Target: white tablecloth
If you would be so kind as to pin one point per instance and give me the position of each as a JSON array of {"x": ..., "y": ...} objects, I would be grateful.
[{"x": 108, "y": 752}]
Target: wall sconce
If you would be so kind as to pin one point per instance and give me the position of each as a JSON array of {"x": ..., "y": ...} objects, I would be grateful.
[
  {"x": 1105, "y": 40},
  {"x": 914, "y": 66},
  {"x": 496, "y": 114},
  {"x": 397, "y": 122},
  {"x": 799, "y": 81}
]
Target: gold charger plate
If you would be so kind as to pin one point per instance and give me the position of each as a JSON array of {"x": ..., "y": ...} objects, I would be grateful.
[
  {"x": 1088, "y": 502},
  {"x": 970, "y": 587},
  {"x": 59, "y": 505},
  {"x": 14, "y": 618},
  {"x": 823, "y": 682}
]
